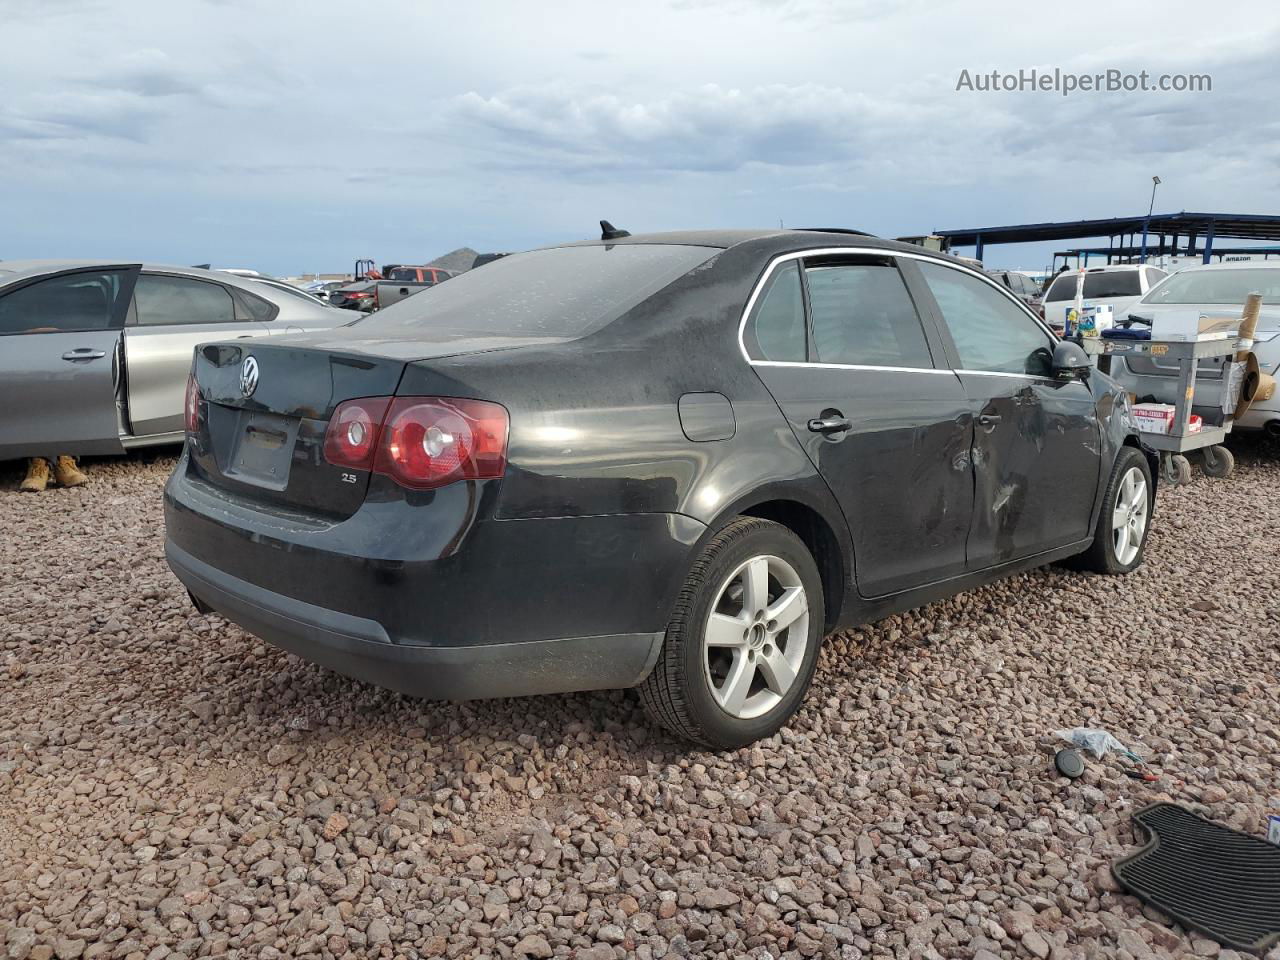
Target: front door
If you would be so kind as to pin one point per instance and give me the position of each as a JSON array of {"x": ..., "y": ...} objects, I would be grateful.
[
  {"x": 171, "y": 315},
  {"x": 1036, "y": 442},
  {"x": 889, "y": 431},
  {"x": 59, "y": 362}
]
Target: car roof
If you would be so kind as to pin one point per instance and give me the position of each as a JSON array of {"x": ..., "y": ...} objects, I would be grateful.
[
  {"x": 773, "y": 242},
  {"x": 12, "y": 270},
  {"x": 19, "y": 269}
]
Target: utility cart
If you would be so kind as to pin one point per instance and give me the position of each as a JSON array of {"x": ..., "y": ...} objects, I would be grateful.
[{"x": 1215, "y": 459}]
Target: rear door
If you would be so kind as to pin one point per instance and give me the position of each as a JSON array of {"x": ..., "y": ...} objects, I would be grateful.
[
  {"x": 1035, "y": 447},
  {"x": 171, "y": 314},
  {"x": 59, "y": 362},
  {"x": 840, "y": 345}
]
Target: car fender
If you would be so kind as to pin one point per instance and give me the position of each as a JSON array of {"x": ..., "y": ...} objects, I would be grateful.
[{"x": 1116, "y": 430}]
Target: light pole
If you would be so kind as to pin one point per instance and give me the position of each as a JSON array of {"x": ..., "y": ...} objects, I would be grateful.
[{"x": 1155, "y": 182}]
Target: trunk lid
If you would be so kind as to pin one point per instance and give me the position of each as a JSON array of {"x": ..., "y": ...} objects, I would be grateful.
[{"x": 265, "y": 408}]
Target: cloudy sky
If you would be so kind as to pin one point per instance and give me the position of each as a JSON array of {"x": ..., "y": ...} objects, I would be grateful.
[{"x": 298, "y": 136}]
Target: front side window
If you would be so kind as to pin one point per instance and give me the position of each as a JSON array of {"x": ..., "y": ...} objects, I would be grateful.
[
  {"x": 863, "y": 315},
  {"x": 1154, "y": 276},
  {"x": 74, "y": 301},
  {"x": 991, "y": 332},
  {"x": 776, "y": 328},
  {"x": 178, "y": 300}
]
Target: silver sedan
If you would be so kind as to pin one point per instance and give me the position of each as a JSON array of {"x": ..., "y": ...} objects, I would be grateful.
[{"x": 94, "y": 355}]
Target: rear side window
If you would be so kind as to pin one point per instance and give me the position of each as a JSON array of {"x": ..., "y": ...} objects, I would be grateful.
[
  {"x": 863, "y": 315},
  {"x": 75, "y": 301},
  {"x": 1154, "y": 276},
  {"x": 776, "y": 328},
  {"x": 1064, "y": 288},
  {"x": 251, "y": 307},
  {"x": 163, "y": 301},
  {"x": 1112, "y": 283},
  {"x": 991, "y": 332}
]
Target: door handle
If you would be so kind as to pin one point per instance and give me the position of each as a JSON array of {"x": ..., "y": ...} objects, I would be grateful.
[
  {"x": 830, "y": 425},
  {"x": 989, "y": 419},
  {"x": 83, "y": 353}
]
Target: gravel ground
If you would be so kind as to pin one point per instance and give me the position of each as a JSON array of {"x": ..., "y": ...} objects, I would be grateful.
[{"x": 170, "y": 786}]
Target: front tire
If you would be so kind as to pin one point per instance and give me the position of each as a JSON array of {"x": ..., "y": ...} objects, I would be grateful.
[
  {"x": 742, "y": 644},
  {"x": 1120, "y": 539}
]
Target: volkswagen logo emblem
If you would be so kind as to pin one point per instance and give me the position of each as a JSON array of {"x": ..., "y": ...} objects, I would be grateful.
[{"x": 248, "y": 376}]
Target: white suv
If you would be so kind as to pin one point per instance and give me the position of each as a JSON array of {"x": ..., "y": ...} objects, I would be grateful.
[{"x": 1118, "y": 287}]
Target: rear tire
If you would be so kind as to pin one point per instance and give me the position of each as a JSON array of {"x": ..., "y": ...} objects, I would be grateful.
[
  {"x": 743, "y": 640},
  {"x": 1120, "y": 538}
]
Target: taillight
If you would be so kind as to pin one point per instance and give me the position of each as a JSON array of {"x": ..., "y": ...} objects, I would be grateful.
[
  {"x": 191, "y": 403},
  {"x": 351, "y": 439},
  {"x": 420, "y": 442},
  {"x": 428, "y": 442}
]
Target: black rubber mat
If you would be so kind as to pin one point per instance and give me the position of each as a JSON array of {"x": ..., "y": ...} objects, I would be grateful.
[{"x": 1219, "y": 881}]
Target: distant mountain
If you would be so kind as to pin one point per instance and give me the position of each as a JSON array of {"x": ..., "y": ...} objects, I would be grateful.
[{"x": 460, "y": 259}]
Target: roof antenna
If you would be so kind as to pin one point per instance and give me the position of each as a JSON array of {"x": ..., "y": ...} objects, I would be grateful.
[{"x": 609, "y": 232}]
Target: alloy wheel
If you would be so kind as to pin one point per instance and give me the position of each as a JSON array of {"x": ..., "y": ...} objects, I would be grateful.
[
  {"x": 756, "y": 637},
  {"x": 1129, "y": 518}
]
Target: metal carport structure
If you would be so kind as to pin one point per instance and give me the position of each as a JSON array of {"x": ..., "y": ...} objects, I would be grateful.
[{"x": 1179, "y": 228}]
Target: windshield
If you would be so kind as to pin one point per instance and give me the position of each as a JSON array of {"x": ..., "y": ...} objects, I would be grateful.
[
  {"x": 1217, "y": 286},
  {"x": 559, "y": 292}
]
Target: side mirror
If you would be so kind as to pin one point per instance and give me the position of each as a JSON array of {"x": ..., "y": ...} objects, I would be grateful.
[{"x": 1070, "y": 362}]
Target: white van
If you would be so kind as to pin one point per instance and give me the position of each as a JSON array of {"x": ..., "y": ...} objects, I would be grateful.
[{"x": 1119, "y": 287}]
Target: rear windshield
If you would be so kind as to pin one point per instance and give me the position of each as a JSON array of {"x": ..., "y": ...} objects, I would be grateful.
[
  {"x": 559, "y": 292},
  {"x": 1064, "y": 288},
  {"x": 1112, "y": 283},
  {"x": 1217, "y": 286}
]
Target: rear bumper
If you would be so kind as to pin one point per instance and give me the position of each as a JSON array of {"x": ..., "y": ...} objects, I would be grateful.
[
  {"x": 360, "y": 648},
  {"x": 429, "y": 595}
]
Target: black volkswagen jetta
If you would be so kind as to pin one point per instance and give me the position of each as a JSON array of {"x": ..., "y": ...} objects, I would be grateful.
[{"x": 672, "y": 461}]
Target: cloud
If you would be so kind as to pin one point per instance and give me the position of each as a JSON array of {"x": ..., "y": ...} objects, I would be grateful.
[
  {"x": 706, "y": 129},
  {"x": 808, "y": 12},
  {"x": 446, "y": 131},
  {"x": 77, "y": 117}
]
